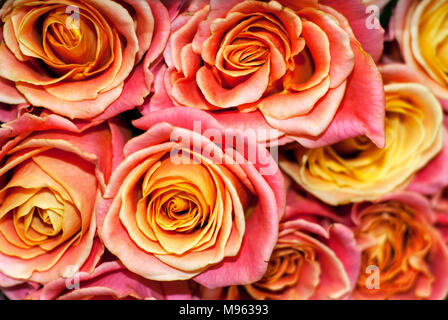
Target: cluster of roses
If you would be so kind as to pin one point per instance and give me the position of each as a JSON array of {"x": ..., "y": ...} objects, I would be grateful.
[{"x": 238, "y": 149}]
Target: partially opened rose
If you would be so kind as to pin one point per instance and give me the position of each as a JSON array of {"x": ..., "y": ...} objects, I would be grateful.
[
  {"x": 297, "y": 67},
  {"x": 314, "y": 258},
  {"x": 51, "y": 178},
  {"x": 77, "y": 58},
  {"x": 357, "y": 170},
  {"x": 110, "y": 280},
  {"x": 192, "y": 199},
  {"x": 403, "y": 254},
  {"x": 419, "y": 27}
]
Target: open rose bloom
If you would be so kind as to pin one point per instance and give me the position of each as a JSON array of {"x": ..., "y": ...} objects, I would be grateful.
[
  {"x": 223, "y": 150},
  {"x": 294, "y": 68},
  {"x": 52, "y": 178},
  {"x": 189, "y": 204},
  {"x": 79, "y": 59}
]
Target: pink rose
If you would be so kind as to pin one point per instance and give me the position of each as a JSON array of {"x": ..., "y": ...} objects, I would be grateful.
[
  {"x": 315, "y": 257},
  {"x": 193, "y": 200},
  {"x": 51, "y": 178},
  {"x": 110, "y": 280},
  {"x": 403, "y": 254},
  {"x": 78, "y": 59},
  {"x": 15, "y": 289},
  {"x": 296, "y": 70}
]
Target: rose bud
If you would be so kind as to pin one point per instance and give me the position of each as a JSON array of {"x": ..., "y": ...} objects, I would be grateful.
[{"x": 79, "y": 58}]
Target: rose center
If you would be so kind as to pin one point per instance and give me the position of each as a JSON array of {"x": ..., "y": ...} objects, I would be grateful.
[
  {"x": 179, "y": 213},
  {"x": 285, "y": 266}
]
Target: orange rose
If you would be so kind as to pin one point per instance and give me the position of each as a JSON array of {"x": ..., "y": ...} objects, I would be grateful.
[
  {"x": 298, "y": 69},
  {"x": 75, "y": 58},
  {"x": 50, "y": 180},
  {"x": 403, "y": 254}
]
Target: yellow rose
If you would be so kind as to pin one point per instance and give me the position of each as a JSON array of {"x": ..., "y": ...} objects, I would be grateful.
[
  {"x": 420, "y": 30},
  {"x": 356, "y": 170}
]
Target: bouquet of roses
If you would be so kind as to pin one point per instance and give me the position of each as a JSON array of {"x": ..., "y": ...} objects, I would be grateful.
[{"x": 238, "y": 149}]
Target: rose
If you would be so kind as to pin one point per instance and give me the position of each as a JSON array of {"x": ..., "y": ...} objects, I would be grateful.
[
  {"x": 398, "y": 240},
  {"x": 415, "y": 25},
  {"x": 110, "y": 280},
  {"x": 78, "y": 59},
  {"x": 295, "y": 69},
  {"x": 314, "y": 258},
  {"x": 51, "y": 177},
  {"x": 187, "y": 202},
  {"x": 356, "y": 170}
]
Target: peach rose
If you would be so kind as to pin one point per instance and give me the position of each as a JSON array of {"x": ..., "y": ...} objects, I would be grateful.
[
  {"x": 78, "y": 59},
  {"x": 314, "y": 258},
  {"x": 110, "y": 280},
  {"x": 418, "y": 26},
  {"x": 403, "y": 254},
  {"x": 296, "y": 69},
  {"x": 51, "y": 178},
  {"x": 192, "y": 199},
  {"x": 356, "y": 169}
]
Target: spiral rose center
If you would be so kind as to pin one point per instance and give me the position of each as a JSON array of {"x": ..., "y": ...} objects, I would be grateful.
[
  {"x": 285, "y": 264},
  {"x": 39, "y": 216},
  {"x": 248, "y": 44},
  {"x": 180, "y": 213},
  {"x": 285, "y": 270},
  {"x": 37, "y": 222},
  {"x": 69, "y": 41}
]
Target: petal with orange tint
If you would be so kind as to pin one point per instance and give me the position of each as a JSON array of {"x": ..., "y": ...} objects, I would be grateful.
[{"x": 246, "y": 92}]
